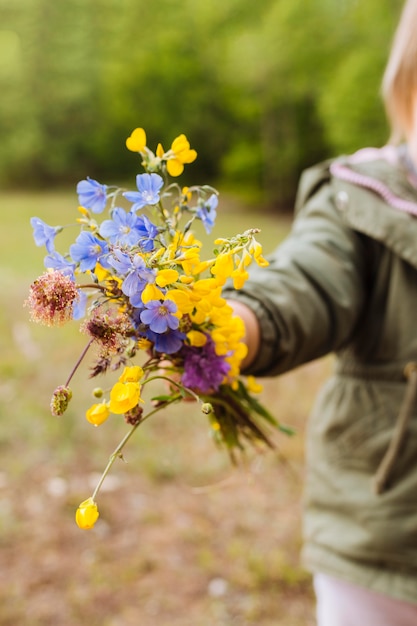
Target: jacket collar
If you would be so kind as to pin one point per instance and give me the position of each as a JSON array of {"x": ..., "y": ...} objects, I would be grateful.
[{"x": 374, "y": 191}]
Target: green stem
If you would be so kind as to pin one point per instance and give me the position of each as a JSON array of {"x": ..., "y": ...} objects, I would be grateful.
[
  {"x": 117, "y": 451},
  {"x": 92, "y": 286},
  {"x": 173, "y": 382},
  {"x": 78, "y": 363}
]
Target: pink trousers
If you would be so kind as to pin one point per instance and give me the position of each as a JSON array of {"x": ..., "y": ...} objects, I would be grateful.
[{"x": 340, "y": 603}]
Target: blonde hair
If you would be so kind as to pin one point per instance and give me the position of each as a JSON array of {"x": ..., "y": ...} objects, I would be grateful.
[{"x": 399, "y": 84}]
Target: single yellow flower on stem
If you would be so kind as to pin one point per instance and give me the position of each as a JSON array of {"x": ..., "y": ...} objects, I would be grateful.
[
  {"x": 97, "y": 413},
  {"x": 137, "y": 140},
  {"x": 181, "y": 154},
  {"x": 131, "y": 374},
  {"x": 87, "y": 514},
  {"x": 123, "y": 397}
]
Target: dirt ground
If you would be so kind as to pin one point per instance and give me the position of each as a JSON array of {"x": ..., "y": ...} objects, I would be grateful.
[{"x": 184, "y": 538}]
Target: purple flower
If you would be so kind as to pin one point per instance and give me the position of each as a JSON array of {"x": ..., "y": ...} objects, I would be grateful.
[
  {"x": 158, "y": 316},
  {"x": 56, "y": 261},
  {"x": 207, "y": 213},
  {"x": 44, "y": 234},
  {"x": 168, "y": 342},
  {"x": 122, "y": 229},
  {"x": 203, "y": 368},
  {"x": 92, "y": 195},
  {"x": 148, "y": 186},
  {"x": 88, "y": 250}
]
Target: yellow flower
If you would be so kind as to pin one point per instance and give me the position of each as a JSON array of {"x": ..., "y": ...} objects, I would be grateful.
[
  {"x": 87, "y": 514},
  {"x": 137, "y": 140},
  {"x": 223, "y": 267},
  {"x": 186, "y": 195},
  {"x": 204, "y": 287},
  {"x": 144, "y": 344},
  {"x": 166, "y": 277},
  {"x": 253, "y": 385},
  {"x": 97, "y": 413},
  {"x": 124, "y": 396},
  {"x": 131, "y": 374},
  {"x": 182, "y": 154},
  {"x": 151, "y": 292},
  {"x": 197, "y": 338},
  {"x": 84, "y": 211},
  {"x": 101, "y": 273},
  {"x": 240, "y": 276},
  {"x": 261, "y": 261},
  {"x": 255, "y": 249},
  {"x": 182, "y": 300}
]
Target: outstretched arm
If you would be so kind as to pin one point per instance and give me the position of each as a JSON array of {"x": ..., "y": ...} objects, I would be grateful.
[{"x": 253, "y": 332}]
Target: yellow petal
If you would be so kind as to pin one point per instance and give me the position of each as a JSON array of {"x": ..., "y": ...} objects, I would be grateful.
[
  {"x": 166, "y": 277},
  {"x": 253, "y": 385},
  {"x": 87, "y": 514},
  {"x": 182, "y": 300},
  {"x": 188, "y": 156},
  {"x": 196, "y": 338},
  {"x": 151, "y": 292},
  {"x": 174, "y": 167},
  {"x": 123, "y": 397},
  {"x": 131, "y": 374},
  {"x": 137, "y": 140},
  {"x": 239, "y": 276},
  {"x": 180, "y": 143},
  {"x": 97, "y": 414}
]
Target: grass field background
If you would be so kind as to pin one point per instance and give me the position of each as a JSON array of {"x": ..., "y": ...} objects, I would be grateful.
[{"x": 184, "y": 538}]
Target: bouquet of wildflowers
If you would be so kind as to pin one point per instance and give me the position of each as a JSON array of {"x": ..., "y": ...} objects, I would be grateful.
[{"x": 151, "y": 307}]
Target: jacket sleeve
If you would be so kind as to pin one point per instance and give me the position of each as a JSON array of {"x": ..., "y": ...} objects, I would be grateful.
[{"x": 309, "y": 299}]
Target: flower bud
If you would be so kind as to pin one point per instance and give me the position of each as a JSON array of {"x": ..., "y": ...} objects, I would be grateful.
[
  {"x": 87, "y": 514},
  {"x": 97, "y": 414},
  {"x": 60, "y": 400},
  {"x": 207, "y": 408},
  {"x": 98, "y": 392}
]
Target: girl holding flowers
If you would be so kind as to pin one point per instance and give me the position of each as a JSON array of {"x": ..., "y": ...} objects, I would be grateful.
[{"x": 345, "y": 281}]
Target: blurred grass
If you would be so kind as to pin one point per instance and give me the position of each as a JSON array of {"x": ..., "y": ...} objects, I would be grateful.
[{"x": 184, "y": 538}]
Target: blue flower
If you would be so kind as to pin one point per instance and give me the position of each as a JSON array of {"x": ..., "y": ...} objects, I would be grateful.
[
  {"x": 56, "y": 261},
  {"x": 147, "y": 233},
  {"x": 122, "y": 229},
  {"x": 158, "y": 316},
  {"x": 121, "y": 262},
  {"x": 92, "y": 195},
  {"x": 88, "y": 250},
  {"x": 44, "y": 234},
  {"x": 148, "y": 186},
  {"x": 78, "y": 308},
  {"x": 168, "y": 342},
  {"x": 207, "y": 213},
  {"x": 138, "y": 275}
]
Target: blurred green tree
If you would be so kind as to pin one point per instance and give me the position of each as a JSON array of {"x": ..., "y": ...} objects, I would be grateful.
[{"x": 261, "y": 89}]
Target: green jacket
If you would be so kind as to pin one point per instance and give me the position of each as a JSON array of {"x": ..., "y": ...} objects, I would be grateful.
[{"x": 345, "y": 281}]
